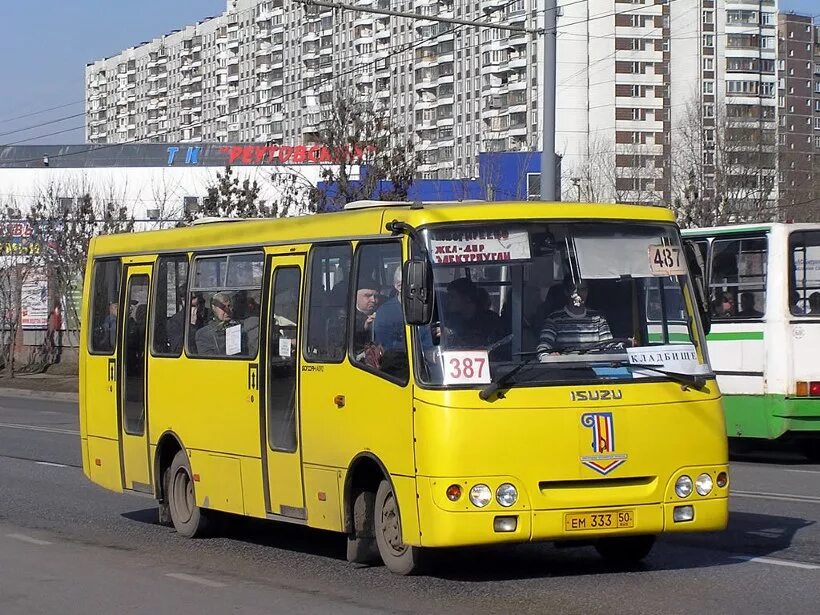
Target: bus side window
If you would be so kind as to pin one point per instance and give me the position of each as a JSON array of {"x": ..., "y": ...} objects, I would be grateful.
[
  {"x": 170, "y": 312},
  {"x": 378, "y": 338},
  {"x": 737, "y": 279},
  {"x": 224, "y": 306},
  {"x": 105, "y": 307},
  {"x": 328, "y": 303}
]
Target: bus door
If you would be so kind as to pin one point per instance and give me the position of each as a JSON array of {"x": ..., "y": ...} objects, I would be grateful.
[
  {"x": 132, "y": 397},
  {"x": 281, "y": 449}
]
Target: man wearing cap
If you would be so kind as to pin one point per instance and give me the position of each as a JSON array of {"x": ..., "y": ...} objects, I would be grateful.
[{"x": 573, "y": 326}]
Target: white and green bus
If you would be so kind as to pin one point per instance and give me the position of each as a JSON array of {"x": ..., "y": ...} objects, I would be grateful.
[{"x": 764, "y": 344}]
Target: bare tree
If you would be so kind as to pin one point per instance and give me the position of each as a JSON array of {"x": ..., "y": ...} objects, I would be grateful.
[
  {"x": 369, "y": 159},
  {"x": 592, "y": 178},
  {"x": 723, "y": 170},
  {"x": 62, "y": 226}
]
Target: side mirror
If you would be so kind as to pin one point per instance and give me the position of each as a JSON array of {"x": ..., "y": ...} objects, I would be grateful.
[
  {"x": 417, "y": 291},
  {"x": 697, "y": 268}
]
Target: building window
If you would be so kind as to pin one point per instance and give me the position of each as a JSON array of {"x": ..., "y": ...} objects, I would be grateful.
[
  {"x": 708, "y": 17},
  {"x": 708, "y": 40},
  {"x": 708, "y": 63},
  {"x": 708, "y": 87}
]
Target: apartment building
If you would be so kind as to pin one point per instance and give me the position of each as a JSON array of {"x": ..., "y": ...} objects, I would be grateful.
[
  {"x": 799, "y": 121},
  {"x": 614, "y": 104},
  {"x": 267, "y": 70}
]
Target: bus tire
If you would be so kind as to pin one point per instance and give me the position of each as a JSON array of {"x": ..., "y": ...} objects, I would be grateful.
[
  {"x": 189, "y": 519},
  {"x": 361, "y": 544},
  {"x": 625, "y": 550},
  {"x": 398, "y": 557},
  {"x": 164, "y": 512}
]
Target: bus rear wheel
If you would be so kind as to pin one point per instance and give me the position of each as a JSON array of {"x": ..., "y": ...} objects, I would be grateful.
[
  {"x": 398, "y": 557},
  {"x": 625, "y": 550},
  {"x": 189, "y": 519}
]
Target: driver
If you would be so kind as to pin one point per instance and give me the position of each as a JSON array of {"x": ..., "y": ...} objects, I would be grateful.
[{"x": 573, "y": 326}]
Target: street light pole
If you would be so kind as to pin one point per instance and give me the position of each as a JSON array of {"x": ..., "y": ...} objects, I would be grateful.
[{"x": 548, "y": 162}]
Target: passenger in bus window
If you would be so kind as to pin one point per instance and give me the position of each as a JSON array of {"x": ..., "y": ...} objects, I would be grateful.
[
  {"x": 211, "y": 339},
  {"x": 724, "y": 306},
  {"x": 747, "y": 307},
  {"x": 814, "y": 303},
  {"x": 109, "y": 340},
  {"x": 388, "y": 326},
  {"x": 471, "y": 324},
  {"x": 365, "y": 314},
  {"x": 175, "y": 328},
  {"x": 575, "y": 326}
]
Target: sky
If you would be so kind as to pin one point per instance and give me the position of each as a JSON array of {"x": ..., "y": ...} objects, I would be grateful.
[{"x": 45, "y": 45}]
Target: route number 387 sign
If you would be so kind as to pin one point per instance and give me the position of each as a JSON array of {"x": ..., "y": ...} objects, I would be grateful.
[
  {"x": 666, "y": 260},
  {"x": 466, "y": 367}
]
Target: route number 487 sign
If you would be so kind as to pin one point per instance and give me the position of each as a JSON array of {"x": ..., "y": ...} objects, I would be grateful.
[
  {"x": 466, "y": 367},
  {"x": 666, "y": 261}
]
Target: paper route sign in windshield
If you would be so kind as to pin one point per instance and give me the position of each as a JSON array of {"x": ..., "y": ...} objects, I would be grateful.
[
  {"x": 479, "y": 246},
  {"x": 681, "y": 358}
]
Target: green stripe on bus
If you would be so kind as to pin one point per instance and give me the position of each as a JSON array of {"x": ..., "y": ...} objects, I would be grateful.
[
  {"x": 698, "y": 234},
  {"x": 728, "y": 336}
]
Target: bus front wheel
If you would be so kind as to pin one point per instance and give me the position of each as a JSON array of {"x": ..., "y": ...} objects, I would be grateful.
[
  {"x": 625, "y": 550},
  {"x": 189, "y": 519},
  {"x": 397, "y": 556}
]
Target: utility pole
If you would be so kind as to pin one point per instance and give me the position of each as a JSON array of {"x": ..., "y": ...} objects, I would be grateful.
[{"x": 548, "y": 159}]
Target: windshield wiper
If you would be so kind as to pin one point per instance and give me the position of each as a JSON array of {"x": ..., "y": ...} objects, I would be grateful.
[
  {"x": 697, "y": 382},
  {"x": 494, "y": 386}
]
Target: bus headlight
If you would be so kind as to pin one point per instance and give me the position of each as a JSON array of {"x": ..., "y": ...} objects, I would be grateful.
[
  {"x": 506, "y": 495},
  {"x": 683, "y": 486},
  {"x": 704, "y": 484},
  {"x": 480, "y": 495}
]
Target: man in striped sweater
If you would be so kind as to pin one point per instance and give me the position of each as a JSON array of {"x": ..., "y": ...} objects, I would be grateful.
[{"x": 574, "y": 326}]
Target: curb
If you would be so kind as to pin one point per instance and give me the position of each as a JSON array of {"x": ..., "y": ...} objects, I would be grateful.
[{"x": 33, "y": 394}]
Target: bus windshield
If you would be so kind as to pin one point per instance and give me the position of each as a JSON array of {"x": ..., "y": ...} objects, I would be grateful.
[{"x": 575, "y": 302}]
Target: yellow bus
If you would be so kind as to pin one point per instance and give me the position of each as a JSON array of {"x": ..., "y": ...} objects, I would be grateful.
[{"x": 413, "y": 375}]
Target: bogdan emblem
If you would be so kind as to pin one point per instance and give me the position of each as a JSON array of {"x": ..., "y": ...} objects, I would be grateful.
[{"x": 604, "y": 459}]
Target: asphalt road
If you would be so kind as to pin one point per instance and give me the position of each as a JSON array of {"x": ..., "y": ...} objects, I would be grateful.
[{"x": 67, "y": 546}]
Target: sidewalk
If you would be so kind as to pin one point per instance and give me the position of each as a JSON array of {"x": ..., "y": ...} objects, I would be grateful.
[{"x": 43, "y": 386}]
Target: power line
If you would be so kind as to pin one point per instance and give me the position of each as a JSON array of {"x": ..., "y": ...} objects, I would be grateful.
[
  {"x": 41, "y": 124},
  {"x": 41, "y": 111},
  {"x": 49, "y": 134}
]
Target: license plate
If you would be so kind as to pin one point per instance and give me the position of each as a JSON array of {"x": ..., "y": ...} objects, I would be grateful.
[{"x": 609, "y": 520}]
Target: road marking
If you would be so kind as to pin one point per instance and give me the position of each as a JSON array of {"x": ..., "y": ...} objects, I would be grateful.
[
  {"x": 51, "y": 464},
  {"x": 28, "y": 539},
  {"x": 805, "y": 471},
  {"x": 194, "y": 579},
  {"x": 68, "y": 432},
  {"x": 783, "y": 497},
  {"x": 776, "y": 562}
]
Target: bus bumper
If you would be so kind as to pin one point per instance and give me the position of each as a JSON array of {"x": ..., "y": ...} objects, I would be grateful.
[{"x": 443, "y": 528}]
